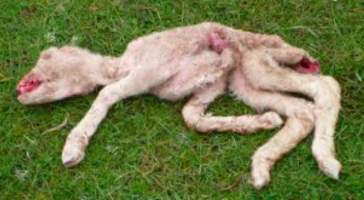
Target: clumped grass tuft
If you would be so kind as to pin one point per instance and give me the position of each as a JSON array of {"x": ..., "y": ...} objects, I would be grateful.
[{"x": 143, "y": 150}]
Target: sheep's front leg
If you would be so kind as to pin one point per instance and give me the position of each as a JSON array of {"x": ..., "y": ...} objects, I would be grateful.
[
  {"x": 264, "y": 73},
  {"x": 194, "y": 114},
  {"x": 78, "y": 139}
]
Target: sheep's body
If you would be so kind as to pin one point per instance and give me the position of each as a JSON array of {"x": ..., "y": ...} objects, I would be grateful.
[{"x": 201, "y": 61}]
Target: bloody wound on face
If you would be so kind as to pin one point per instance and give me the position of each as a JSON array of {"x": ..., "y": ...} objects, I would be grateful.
[{"x": 29, "y": 83}]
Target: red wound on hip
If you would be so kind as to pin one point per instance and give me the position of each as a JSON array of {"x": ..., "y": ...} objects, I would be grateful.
[{"x": 307, "y": 66}]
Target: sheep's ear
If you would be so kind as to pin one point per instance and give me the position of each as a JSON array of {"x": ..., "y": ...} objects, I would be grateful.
[{"x": 47, "y": 54}]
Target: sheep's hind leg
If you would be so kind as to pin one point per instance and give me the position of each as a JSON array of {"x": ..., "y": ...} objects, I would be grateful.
[
  {"x": 298, "y": 125},
  {"x": 287, "y": 54},
  {"x": 194, "y": 114},
  {"x": 263, "y": 72}
]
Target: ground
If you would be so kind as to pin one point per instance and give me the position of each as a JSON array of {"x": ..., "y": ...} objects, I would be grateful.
[{"x": 143, "y": 150}]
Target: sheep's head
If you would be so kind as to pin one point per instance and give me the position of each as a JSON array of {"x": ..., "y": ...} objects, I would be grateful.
[{"x": 58, "y": 73}]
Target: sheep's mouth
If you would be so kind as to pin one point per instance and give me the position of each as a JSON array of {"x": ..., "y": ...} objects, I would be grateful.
[{"x": 26, "y": 86}]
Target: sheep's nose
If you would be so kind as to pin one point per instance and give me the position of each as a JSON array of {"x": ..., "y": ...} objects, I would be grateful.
[{"x": 18, "y": 88}]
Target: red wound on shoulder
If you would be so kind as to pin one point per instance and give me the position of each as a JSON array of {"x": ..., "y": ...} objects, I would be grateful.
[
  {"x": 217, "y": 42},
  {"x": 307, "y": 66}
]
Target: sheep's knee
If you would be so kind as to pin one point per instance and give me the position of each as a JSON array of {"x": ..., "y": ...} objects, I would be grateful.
[
  {"x": 307, "y": 118},
  {"x": 201, "y": 123},
  {"x": 304, "y": 112},
  {"x": 192, "y": 116},
  {"x": 333, "y": 85}
]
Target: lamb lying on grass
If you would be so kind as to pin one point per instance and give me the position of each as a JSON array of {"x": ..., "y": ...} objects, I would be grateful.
[{"x": 202, "y": 61}]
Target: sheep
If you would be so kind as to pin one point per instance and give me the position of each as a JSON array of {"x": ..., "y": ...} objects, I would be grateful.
[{"x": 202, "y": 62}]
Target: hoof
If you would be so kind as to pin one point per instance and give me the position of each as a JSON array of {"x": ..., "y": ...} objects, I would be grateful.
[
  {"x": 331, "y": 168},
  {"x": 260, "y": 180},
  {"x": 72, "y": 155}
]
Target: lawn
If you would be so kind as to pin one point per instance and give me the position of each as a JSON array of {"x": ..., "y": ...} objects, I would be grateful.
[{"x": 143, "y": 149}]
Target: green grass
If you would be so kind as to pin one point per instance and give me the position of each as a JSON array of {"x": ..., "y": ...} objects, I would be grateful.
[{"x": 143, "y": 150}]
